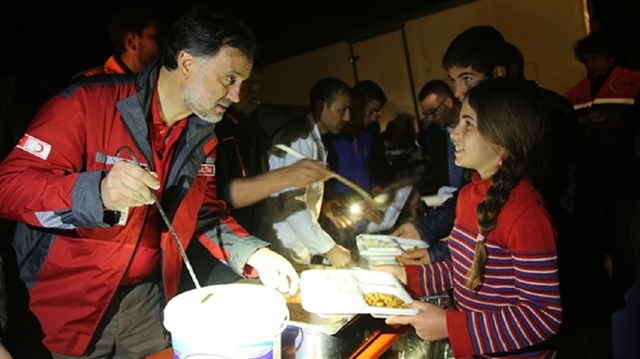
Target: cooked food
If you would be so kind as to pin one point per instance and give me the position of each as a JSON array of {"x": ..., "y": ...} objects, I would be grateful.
[
  {"x": 372, "y": 242},
  {"x": 298, "y": 314},
  {"x": 379, "y": 299}
]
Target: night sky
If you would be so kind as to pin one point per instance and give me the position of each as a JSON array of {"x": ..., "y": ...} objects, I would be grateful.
[
  {"x": 46, "y": 42},
  {"x": 50, "y": 41}
]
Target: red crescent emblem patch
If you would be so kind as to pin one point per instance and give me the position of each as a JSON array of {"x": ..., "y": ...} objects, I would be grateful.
[{"x": 34, "y": 146}]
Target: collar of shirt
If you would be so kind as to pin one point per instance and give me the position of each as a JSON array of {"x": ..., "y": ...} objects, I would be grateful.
[{"x": 163, "y": 138}]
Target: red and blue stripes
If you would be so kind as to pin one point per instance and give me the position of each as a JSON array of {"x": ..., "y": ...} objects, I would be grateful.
[{"x": 517, "y": 305}]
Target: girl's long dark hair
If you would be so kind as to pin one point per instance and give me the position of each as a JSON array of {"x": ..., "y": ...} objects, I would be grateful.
[{"x": 509, "y": 115}]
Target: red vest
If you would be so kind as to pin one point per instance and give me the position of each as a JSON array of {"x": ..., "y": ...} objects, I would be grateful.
[{"x": 621, "y": 87}]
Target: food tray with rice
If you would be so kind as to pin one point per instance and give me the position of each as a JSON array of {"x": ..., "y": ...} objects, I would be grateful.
[
  {"x": 347, "y": 292},
  {"x": 386, "y": 245}
]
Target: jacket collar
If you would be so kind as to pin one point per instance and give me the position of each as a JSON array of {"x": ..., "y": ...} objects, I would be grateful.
[{"x": 135, "y": 110}]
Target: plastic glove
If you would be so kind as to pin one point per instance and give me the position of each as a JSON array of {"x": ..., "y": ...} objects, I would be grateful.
[
  {"x": 339, "y": 256},
  {"x": 275, "y": 271}
]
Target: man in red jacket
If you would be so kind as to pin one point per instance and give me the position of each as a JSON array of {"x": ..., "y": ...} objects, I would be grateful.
[
  {"x": 135, "y": 37},
  {"x": 92, "y": 248}
]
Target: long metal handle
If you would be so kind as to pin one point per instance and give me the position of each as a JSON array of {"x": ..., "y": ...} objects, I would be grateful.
[
  {"x": 175, "y": 237},
  {"x": 166, "y": 220},
  {"x": 338, "y": 177},
  {"x": 354, "y": 186}
]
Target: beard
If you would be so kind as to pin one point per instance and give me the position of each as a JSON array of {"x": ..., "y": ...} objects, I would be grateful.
[
  {"x": 201, "y": 105},
  {"x": 211, "y": 117}
]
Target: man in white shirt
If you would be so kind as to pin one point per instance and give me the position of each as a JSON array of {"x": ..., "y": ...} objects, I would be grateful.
[{"x": 290, "y": 217}]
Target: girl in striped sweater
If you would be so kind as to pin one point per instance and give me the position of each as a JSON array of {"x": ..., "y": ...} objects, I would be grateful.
[{"x": 503, "y": 267}]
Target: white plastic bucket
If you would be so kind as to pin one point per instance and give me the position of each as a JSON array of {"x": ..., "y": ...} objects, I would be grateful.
[{"x": 236, "y": 321}]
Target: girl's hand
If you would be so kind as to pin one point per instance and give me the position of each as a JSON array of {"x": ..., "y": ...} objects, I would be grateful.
[
  {"x": 418, "y": 256},
  {"x": 397, "y": 271},
  {"x": 430, "y": 323}
]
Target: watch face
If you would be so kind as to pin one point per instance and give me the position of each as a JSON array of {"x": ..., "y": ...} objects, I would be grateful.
[{"x": 116, "y": 218}]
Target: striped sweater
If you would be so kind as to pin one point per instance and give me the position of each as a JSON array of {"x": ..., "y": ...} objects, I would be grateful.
[{"x": 517, "y": 305}]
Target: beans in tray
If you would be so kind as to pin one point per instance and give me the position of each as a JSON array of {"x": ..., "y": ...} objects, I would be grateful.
[{"x": 379, "y": 299}]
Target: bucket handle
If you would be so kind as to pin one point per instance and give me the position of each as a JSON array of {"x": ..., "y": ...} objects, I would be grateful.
[{"x": 283, "y": 326}]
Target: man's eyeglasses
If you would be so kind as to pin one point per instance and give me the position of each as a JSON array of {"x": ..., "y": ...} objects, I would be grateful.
[{"x": 432, "y": 113}]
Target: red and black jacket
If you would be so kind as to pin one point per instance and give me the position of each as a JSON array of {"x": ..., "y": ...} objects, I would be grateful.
[{"x": 70, "y": 258}]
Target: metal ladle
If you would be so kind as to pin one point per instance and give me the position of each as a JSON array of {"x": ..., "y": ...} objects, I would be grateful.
[
  {"x": 380, "y": 201},
  {"x": 167, "y": 222}
]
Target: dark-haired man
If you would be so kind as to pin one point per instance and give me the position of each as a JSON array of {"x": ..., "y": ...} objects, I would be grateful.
[
  {"x": 290, "y": 217},
  {"x": 136, "y": 39},
  {"x": 93, "y": 249},
  {"x": 244, "y": 135},
  {"x": 607, "y": 103},
  {"x": 475, "y": 54},
  {"x": 357, "y": 153},
  {"x": 440, "y": 111}
]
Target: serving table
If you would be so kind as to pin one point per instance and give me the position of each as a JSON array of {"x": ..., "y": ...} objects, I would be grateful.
[
  {"x": 361, "y": 337},
  {"x": 378, "y": 342}
]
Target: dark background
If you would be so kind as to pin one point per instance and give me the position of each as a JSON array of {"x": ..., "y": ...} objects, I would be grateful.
[
  {"x": 46, "y": 42},
  {"x": 52, "y": 40}
]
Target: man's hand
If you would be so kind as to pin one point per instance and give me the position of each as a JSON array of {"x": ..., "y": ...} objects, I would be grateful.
[
  {"x": 373, "y": 215},
  {"x": 430, "y": 323},
  {"x": 245, "y": 191},
  {"x": 275, "y": 271},
  {"x": 339, "y": 256},
  {"x": 341, "y": 222},
  {"x": 306, "y": 172},
  {"x": 127, "y": 185},
  {"x": 406, "y": 230}
]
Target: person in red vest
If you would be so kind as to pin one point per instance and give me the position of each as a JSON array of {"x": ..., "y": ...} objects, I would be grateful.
[
  {"x": 608, "y": 90},
  {"x": 606, "y": 104},
  {"x": 136, "y": 38}
]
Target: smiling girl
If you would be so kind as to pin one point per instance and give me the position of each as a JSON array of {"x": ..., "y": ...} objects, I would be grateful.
[{"x": 503, "y": 267}]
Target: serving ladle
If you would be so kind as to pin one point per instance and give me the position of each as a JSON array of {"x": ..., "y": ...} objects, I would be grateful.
[{"x": 378, "y": 202}]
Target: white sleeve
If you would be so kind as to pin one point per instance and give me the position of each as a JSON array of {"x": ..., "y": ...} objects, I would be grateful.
[
  {"x": 309, "y": 232},
  {"x": 304, "y": 223}
]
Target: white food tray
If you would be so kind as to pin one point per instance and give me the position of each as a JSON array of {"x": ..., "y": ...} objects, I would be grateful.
[
  {"x": 385, "y": 245},
  {"x": 436, "y": 199},
  {"x": 328, "y": 292},
  {"x": 326, "y": 325}
]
